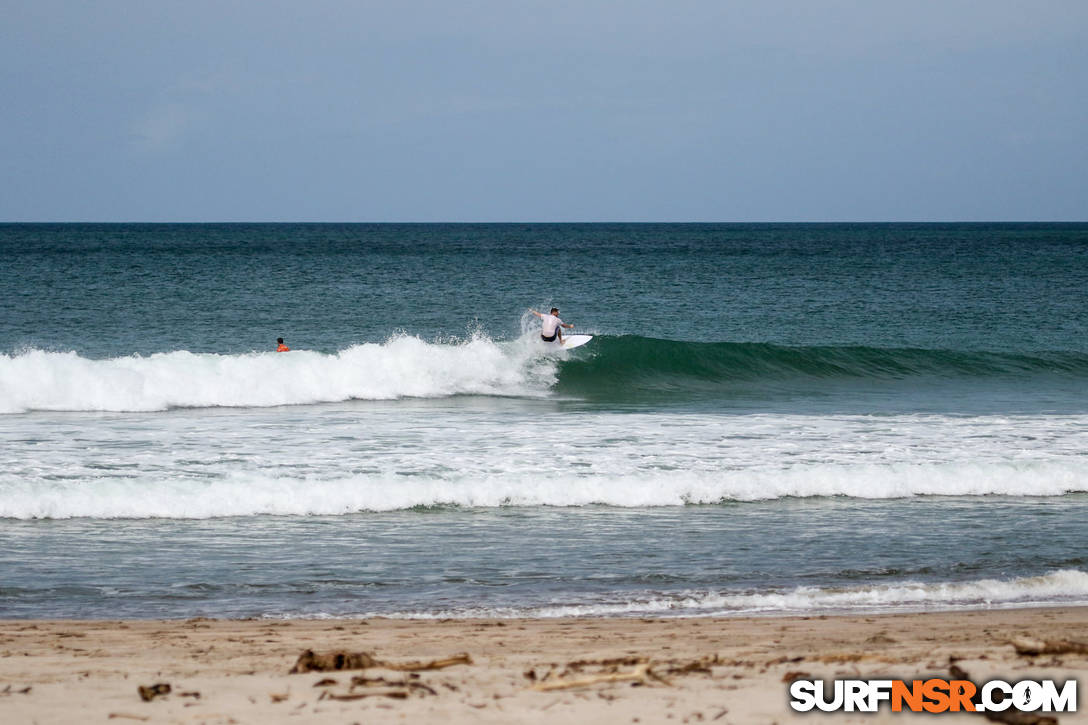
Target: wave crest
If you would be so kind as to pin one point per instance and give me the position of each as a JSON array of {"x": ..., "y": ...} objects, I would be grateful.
[{"x": 622, "y": 368}]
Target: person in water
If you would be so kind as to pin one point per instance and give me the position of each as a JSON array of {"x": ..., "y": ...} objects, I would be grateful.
[
  {"x": 551, "y": 326},
  {"x": 282, "y": 347}
]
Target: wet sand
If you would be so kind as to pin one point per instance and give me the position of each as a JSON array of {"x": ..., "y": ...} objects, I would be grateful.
[{"x": 631, "y": 670}]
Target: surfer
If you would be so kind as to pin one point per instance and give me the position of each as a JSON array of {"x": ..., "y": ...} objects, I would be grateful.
[
  {"x": 281, "y": 347},
  {"x": 550, "y": 328}
]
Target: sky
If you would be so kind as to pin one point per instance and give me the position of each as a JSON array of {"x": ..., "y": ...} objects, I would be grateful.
[{"x": 518, "y": 110}]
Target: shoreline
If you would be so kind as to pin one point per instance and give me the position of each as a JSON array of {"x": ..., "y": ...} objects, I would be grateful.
[{"x": 724, "y": 669}]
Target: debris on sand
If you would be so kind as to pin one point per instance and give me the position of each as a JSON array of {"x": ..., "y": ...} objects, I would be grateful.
[
  {"x": 149, "y": 693},
  {"x": 8, "y": 691},
  {"x": 395, "y": 693},
  {"x": 310, "y": 661},
  {"x": 642, "y": 671},
  {"x": 641, "y": 674},
  {"x": 410, "y": 683},
  {"x": 362, "y": 686},
  {"x": 1034, "y": 647}
]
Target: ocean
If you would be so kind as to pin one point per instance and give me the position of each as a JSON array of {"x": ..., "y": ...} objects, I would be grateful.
[{"x": 770, "y": 419}]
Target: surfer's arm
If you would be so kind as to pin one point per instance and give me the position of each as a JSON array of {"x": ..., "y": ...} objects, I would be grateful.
[{"x": 538, "y": 314}]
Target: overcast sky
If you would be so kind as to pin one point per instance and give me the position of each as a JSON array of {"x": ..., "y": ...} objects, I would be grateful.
[{"x": 462, "y": 110}]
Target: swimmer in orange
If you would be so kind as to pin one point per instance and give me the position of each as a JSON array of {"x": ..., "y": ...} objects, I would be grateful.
[{"x": 282, "y": 347}]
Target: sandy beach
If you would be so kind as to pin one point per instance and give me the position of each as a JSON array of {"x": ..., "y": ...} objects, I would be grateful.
[{"x": 502, "y": 671}]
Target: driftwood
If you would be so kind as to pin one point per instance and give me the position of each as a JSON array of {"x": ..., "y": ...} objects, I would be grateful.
[
  {"x": 399, "y": 689},
  {"x": 309, "y": 661},
  {"x": 419, "y": 666},
  {"x": 1033, "y": 647}
]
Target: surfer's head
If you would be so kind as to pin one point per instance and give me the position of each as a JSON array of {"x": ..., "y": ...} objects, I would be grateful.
[
  {"x": 279, "y": 340},
  {"x": 555, "y": 310}
]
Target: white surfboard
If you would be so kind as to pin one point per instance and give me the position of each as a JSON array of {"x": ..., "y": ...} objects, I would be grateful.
[{"x": 572, "y": 341}]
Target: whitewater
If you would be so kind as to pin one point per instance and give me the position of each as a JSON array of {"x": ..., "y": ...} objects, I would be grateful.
[{"x": 403, "y": 366}]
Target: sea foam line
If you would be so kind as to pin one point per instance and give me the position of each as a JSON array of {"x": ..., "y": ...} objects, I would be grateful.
[
  {"x": 1060, "y": 587},
  {"x": 252, "y": 493}
]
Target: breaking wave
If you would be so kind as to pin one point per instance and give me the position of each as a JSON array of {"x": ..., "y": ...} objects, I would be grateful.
[
  {"x": 613, "y": 368},
  {"x": 401, "y": 367},
  {"x": 1062, "y": 587}
]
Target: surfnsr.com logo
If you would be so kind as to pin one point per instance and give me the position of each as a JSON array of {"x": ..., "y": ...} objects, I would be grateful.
[{"x": 933, "y": 695}]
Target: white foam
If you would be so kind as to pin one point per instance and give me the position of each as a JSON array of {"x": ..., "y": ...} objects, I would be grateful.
[
  {"x": 249, "y": 493},
  {"x": 1066, "y": 586},
  {"x": 403, "y": 366}
]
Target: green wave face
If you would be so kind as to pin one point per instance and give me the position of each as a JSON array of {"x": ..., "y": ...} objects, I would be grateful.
[{"x": 629, "y": 368}]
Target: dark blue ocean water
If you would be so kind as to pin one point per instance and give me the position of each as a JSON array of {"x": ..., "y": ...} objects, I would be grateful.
[
  {"x": 754, "y": 399},
  {"x": 110, "y": 289}
]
